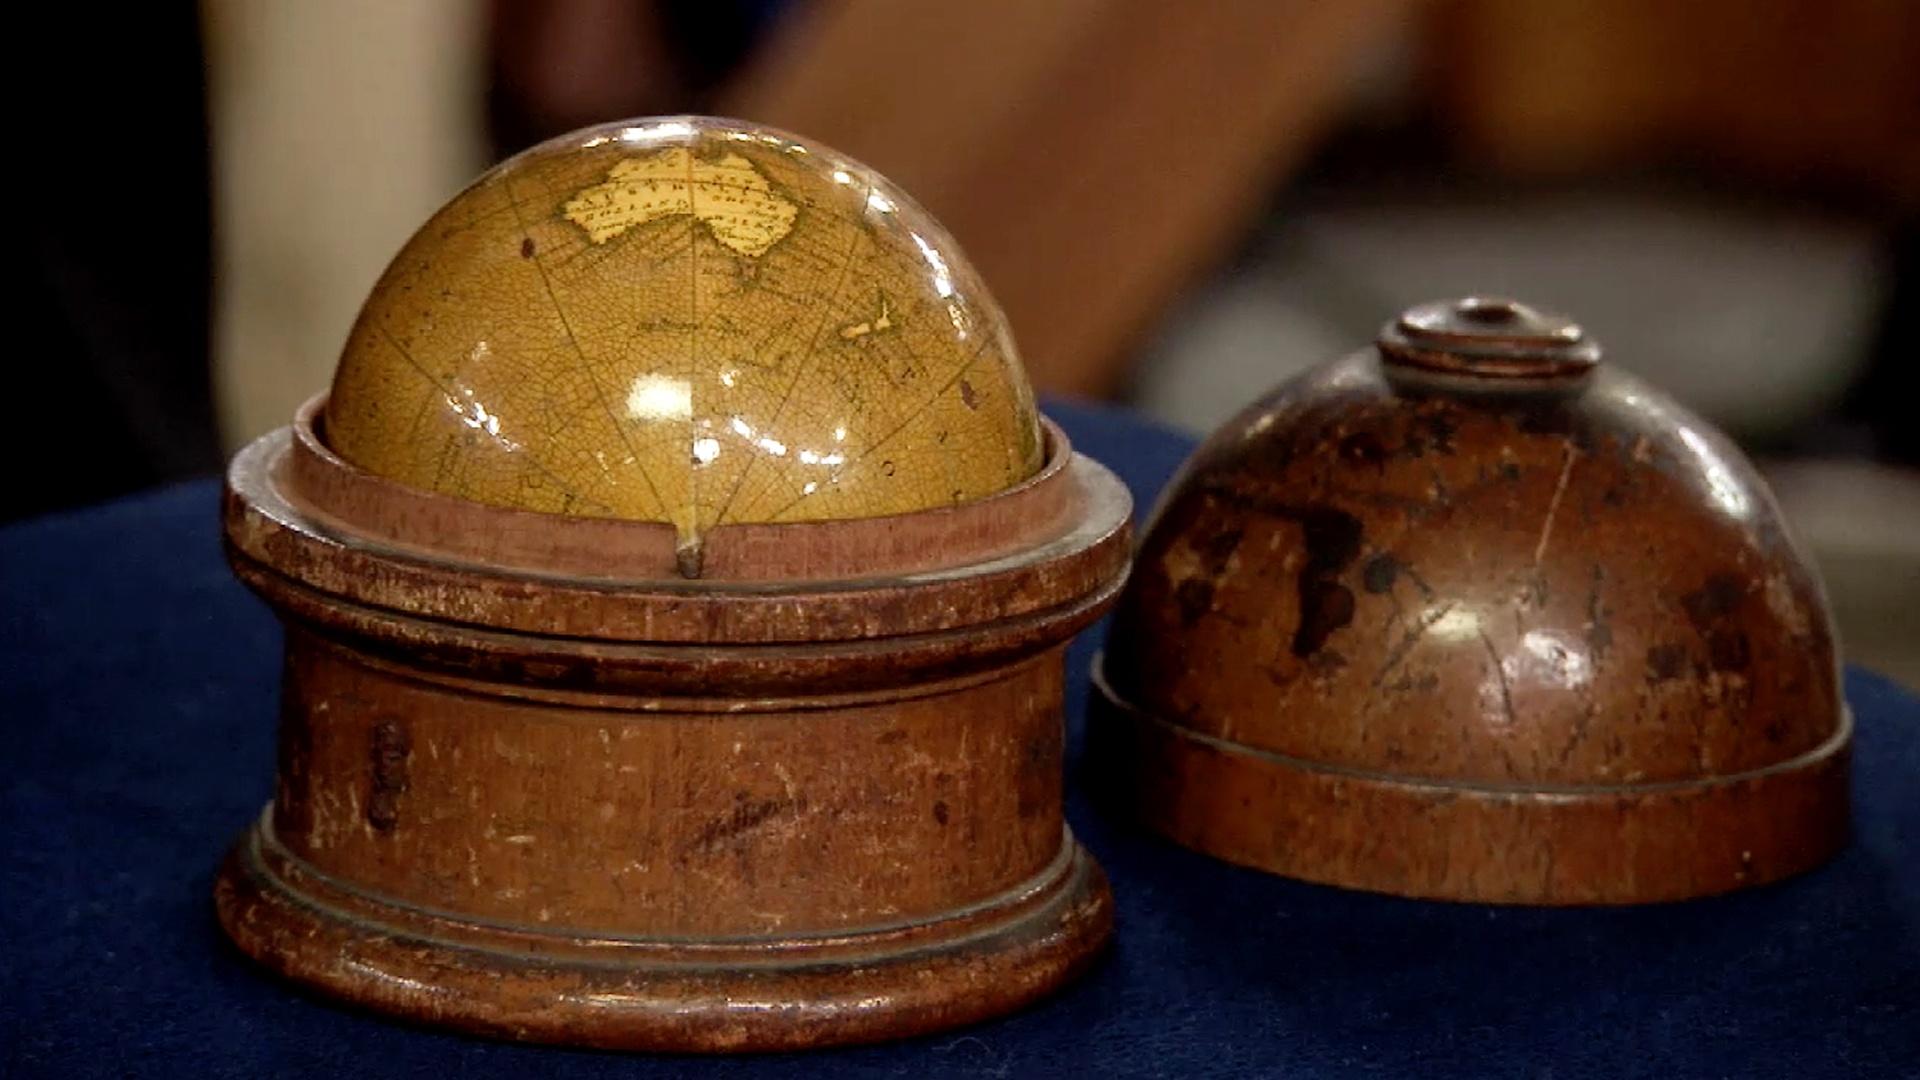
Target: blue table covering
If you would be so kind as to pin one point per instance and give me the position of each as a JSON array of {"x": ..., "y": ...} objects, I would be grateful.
[{"x": 137, "y": 686}]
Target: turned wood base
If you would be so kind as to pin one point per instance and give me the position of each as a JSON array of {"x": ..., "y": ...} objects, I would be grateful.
[
  {"x": 534, "y": 783},
  {"x": 685, "y": 994}
]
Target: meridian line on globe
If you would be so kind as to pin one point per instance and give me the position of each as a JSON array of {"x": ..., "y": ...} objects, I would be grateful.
[
  {"x": 806, "y": 357},
  {"x": 688, "y": 545},
  {"x": 435, "y": 385},
  {"x": 586, "y": 365},
  {"x": 482, "y": 217},
  {"x": 959, "y": 373}
]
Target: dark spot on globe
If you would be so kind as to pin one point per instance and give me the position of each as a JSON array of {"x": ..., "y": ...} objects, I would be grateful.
[
  {"x": 526, "y": 248},
  {"x": 968, "y": 395}
]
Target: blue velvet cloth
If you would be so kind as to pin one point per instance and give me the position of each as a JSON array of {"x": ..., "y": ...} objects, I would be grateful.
[{"x": 137, "y": 685}]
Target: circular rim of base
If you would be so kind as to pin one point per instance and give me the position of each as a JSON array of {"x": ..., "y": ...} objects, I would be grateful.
[
  {"x": 315, "y": 480},
  {"x": 1460, "y": 841},
  {"x": 1034, "y": 551},
  {"x": 546, "y": 986}
]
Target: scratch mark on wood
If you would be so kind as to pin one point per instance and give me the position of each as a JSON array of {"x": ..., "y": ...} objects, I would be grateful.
[{"x": 1553, "y": 506}]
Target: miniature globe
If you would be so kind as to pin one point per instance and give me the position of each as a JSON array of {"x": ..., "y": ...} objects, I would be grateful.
[{"x": 692, "y": 321}]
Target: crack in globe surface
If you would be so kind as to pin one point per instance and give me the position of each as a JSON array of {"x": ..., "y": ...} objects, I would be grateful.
[{"x": 688, "y": 321}]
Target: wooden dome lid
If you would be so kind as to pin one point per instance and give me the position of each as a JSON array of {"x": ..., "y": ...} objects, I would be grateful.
[{"x": 1471, "y": 615}]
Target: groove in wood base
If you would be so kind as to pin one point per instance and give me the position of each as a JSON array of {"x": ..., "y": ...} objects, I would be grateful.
[
  {"x": 757, "y": 993},
  {"x": 1443, "y": 840}
]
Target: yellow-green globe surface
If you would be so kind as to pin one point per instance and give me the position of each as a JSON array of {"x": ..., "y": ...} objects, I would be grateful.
[{"x": 685, "y": 320}]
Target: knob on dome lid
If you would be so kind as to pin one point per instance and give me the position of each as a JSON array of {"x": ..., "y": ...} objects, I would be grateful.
[
  {"x": 1488, "y": 336},
  {"x": 1471, "y": 615}
]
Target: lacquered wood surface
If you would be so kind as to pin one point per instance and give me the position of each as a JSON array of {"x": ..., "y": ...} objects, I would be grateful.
[{"x": 1472, "y": 561}]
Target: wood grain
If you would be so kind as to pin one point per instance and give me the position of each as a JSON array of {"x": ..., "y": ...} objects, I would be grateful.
[
  {"x": 1479, "y": 632},
  {"x": 636, "y": 811}
]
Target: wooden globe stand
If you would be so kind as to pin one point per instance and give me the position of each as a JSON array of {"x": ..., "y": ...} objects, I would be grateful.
[{"x": 534, "y": 784}]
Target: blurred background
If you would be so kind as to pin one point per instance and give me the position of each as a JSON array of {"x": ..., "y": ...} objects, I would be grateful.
[{"x": 1178, "y": 204}]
